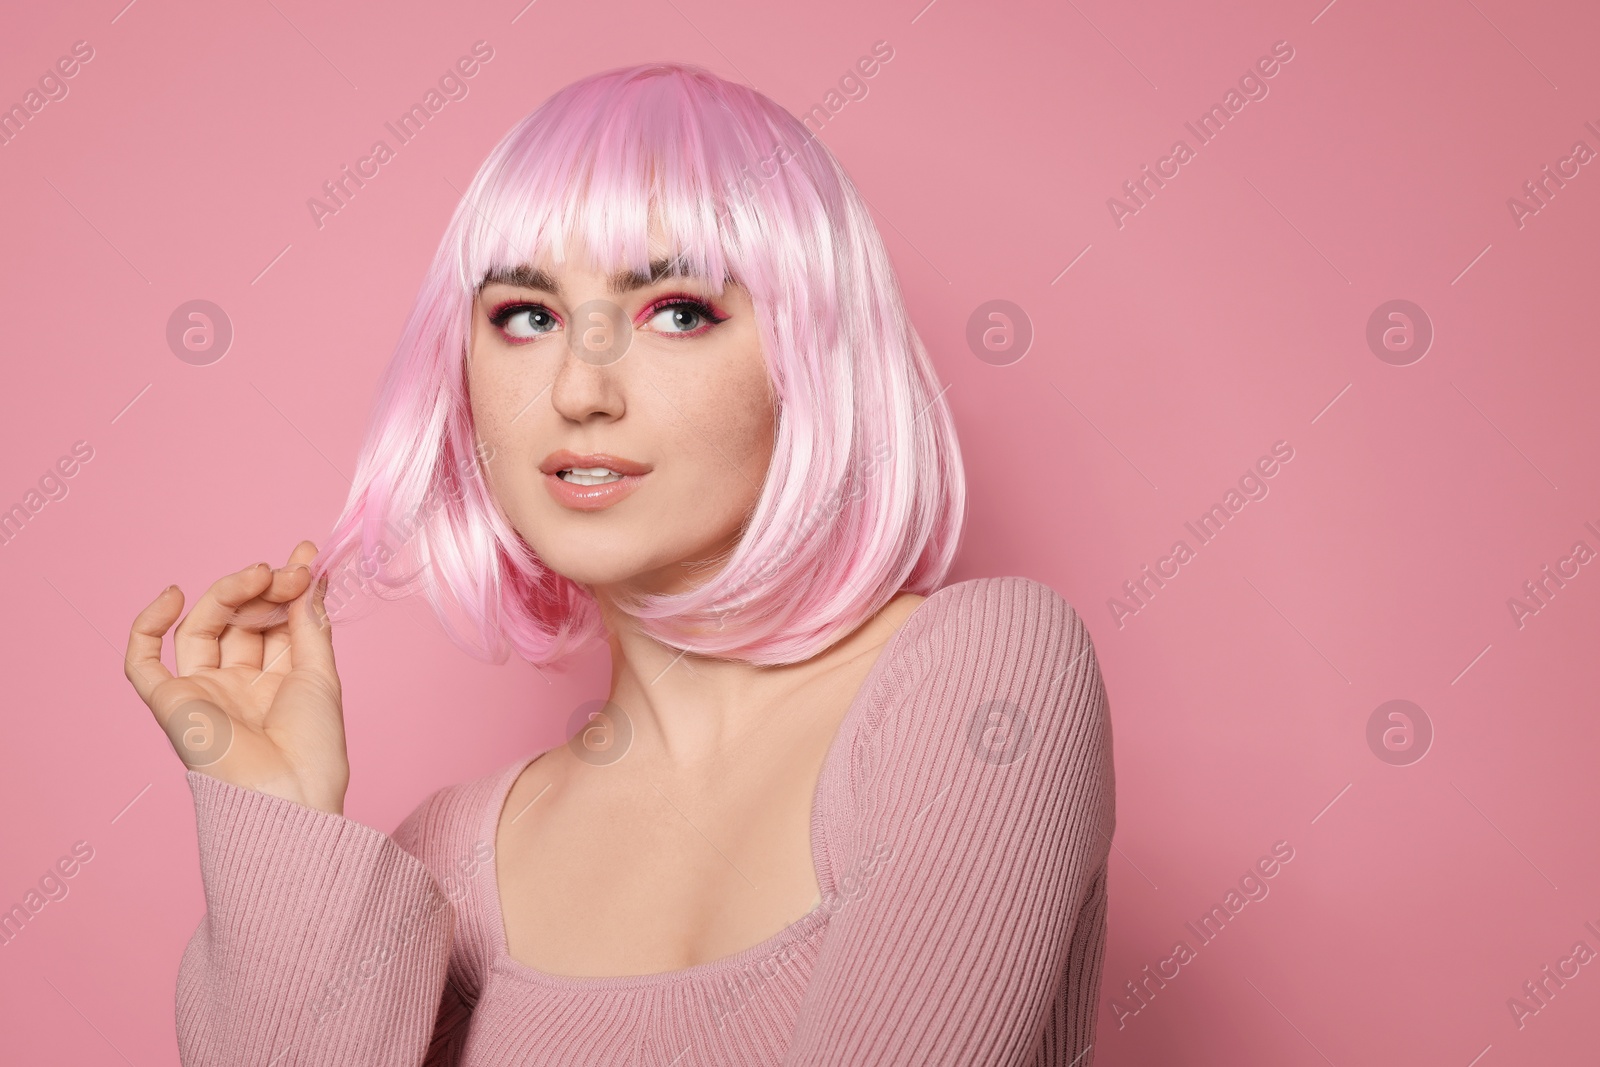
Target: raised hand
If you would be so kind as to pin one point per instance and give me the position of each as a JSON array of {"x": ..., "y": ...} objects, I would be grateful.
[{"x": 256, "y": 700}]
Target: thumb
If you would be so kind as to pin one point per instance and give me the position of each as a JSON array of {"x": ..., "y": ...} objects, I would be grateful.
[{"x": 311, "y": 632}]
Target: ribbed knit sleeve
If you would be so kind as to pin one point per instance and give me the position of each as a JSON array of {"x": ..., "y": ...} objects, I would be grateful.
[
  {"x": 324, "y": 942},
  {"x": 971, "y": 919}
]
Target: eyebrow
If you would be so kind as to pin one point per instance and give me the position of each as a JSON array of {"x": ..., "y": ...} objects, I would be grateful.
[{"x": 529, "y": 277}]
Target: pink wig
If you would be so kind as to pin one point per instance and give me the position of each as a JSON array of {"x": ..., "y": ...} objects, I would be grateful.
[{"x": 865, "y": 494}]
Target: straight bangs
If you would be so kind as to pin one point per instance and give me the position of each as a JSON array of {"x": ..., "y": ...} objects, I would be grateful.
[{"x": 865, "y": 493}]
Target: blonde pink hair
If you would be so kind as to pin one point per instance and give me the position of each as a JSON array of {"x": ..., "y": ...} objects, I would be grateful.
[{"x": 865, "y": 494}]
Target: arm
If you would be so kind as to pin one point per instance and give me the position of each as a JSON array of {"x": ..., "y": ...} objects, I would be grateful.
[
  {"x": 985, "y": 800},
  {"x": 324, "y": 942}
]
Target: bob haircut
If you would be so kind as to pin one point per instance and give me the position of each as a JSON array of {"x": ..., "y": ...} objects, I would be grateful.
[{"x": 865, "y": 494}]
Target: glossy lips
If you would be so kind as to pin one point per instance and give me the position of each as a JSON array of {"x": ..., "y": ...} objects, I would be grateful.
[{"x": 590, "y": 497}]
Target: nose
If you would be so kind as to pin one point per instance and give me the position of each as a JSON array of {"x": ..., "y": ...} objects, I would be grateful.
[{"x": 589, "y": 380}]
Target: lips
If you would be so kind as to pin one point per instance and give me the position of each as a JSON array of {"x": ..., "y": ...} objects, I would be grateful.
[{"x": 578, "y": 497}]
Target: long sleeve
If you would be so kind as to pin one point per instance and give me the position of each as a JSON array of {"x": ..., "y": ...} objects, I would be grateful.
[
  {"x": 971, "y": 922},
  {"x": 324, "y": 943}
]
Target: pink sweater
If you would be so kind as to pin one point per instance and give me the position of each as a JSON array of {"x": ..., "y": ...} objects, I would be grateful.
[{"x": 960, "y": 830}]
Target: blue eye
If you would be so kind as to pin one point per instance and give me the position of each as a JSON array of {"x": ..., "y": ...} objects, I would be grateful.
[
  {"x": 524, "y": 321},
  {"x": 675, "y": 316},
  {"x": 683, "y": 317}
]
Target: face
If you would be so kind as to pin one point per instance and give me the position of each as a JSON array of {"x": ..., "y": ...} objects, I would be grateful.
[{"x": 662, "y": 382}]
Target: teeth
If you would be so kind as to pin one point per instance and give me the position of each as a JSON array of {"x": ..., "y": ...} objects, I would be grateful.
[{"x": 590, "y": 475}]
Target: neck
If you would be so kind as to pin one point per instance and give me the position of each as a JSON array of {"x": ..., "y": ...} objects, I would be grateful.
[{"x": 686, "y": 709}]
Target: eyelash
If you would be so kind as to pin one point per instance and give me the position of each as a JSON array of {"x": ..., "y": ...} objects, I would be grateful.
[{"x": 502, "y": 314}]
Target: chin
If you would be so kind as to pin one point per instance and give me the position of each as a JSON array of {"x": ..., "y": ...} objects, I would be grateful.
[
  {"x": 590, "y": 565},
  {"x": 596, "y": 561},
  {"x": 585, "y": 569}
]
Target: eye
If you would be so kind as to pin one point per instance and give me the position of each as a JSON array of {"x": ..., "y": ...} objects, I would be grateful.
[
  {"x": 681, "y": 316},
  {"x": 523, "y": 322}
]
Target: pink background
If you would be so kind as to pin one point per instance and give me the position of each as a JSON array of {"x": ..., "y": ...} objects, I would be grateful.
[{"x": 1229, "y": 313}]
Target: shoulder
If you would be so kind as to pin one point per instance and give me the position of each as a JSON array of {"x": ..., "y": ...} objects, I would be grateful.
[
  {"x": 979, "y": 838},
  {"x": 1000, "y": 672},
  {"x": 1008, "y": 632},
  {"x": 1011, "y": 612},
  {"x": 994, "y": 717}
]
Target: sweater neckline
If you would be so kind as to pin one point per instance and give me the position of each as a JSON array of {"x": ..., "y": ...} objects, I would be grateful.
[{"x": 821, "y": 863}]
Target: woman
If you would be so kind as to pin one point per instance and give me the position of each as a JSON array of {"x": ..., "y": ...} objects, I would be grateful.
[{"x": 830, "y": 813}]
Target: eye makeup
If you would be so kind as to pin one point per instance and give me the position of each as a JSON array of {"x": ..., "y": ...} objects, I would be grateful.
[
  {"x": 503, "y": 311},
  {"x": 711, "y": 314}
]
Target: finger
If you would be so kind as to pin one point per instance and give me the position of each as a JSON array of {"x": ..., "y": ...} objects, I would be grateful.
[
  {"x": 311, "y": 634},
  {"x": 142, "y": 664},
  {"x": 247, "y": 639},
  {"x": 287, "y": 584},
  {"x": 276, "y": 652},
  {"x": 195, "y": 640},
  {"x": 276, "y": 655}
]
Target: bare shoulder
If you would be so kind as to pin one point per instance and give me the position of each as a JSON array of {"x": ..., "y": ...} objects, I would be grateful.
[
  {"x": 893, "y": 615},
  {"x": 535, "y": 777}
]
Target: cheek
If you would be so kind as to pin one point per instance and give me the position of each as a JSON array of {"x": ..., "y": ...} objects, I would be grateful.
[
  {"x": 710, "y": 399},
  {"x": 730, "y": 426},
  {"x": 495, "y": 402},
  {"x": 748, "y": 423},
  {"x": 483, "y": 400}
]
